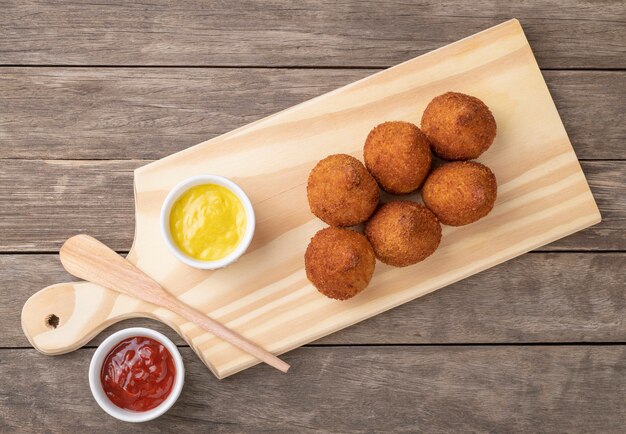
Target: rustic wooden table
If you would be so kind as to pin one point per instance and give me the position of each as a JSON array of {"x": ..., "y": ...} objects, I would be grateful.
[{"x": 90, "y": 91}]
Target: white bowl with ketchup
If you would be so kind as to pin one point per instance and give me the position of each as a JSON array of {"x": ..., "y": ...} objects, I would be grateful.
[{"x": 136, "y": 374}]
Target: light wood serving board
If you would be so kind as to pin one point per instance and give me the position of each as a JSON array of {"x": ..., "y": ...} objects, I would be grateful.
[{"x": 542, "y": 196}]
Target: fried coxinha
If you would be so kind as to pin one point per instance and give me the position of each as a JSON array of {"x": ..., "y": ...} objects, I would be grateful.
[
  {"x": 339, "y": 262},
  {"x": 341, "y": 191},
  {"x": 460, "y": 192},
  {"x": 459, "y": 126},
  {"x": 398, "y": 157},
  {"x": 403, "y": 233}
]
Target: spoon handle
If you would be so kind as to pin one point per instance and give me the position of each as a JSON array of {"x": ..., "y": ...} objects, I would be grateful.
[{"x": 89, "y": 259}]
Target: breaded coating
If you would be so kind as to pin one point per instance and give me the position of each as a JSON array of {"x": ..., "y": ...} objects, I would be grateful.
[
  {"x": 339, "y": 262},
  {"x": 403, "y": 233},
  {"x": 341, "y": 191},
  {"x": 460, "y": 192},
  {"x": 398, "y": 155},
  {"x": 459, "y": 126}
]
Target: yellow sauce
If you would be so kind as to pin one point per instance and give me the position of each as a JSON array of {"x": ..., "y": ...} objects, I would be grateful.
[{"x": 207, "y": 222}]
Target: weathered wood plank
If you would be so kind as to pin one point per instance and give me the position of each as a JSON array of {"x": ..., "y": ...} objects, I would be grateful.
[
  {"x": 102, "y": 113},
  {"x": 568, "y": 297},
  {"x": 42, "y": 203},
  {"x": 347, "y": 389},
  {"x": 563, "y": 34}
]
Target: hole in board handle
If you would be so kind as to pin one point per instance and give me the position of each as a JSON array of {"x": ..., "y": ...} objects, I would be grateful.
[{"x": 52, "y": 321}]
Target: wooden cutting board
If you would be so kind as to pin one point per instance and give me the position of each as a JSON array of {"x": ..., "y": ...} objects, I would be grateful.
[{"x": 542, "y": 196}]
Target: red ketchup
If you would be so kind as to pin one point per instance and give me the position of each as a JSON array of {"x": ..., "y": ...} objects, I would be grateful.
[{"x": 138, "y": 374}]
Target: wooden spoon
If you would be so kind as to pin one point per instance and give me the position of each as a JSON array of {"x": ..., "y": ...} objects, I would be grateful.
[{"x": 87, "y": 258}]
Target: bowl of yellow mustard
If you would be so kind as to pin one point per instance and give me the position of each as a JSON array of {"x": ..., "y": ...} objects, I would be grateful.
[{"x": 207, "y": 221}]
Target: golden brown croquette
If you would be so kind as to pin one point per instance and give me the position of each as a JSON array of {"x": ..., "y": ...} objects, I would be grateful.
[
  {"x": 398, "y": 155},
  {"x": 341, "y": 191},
  {"x": 460, "y": 192},
  {"x": 403, "y": 233},
  {"x": 339, "y": 262},
  {"x": 459, "y": 126}
]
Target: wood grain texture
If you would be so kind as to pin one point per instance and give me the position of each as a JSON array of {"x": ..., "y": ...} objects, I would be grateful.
[
  {"x": 265, "y": 295},
  {"x": 568, "y": 297},
  {"x": 87, "y": 258},
  {"x": 63, "y": 198},
  {"x": 563, "y": 34},
  {"x": 342, "y": 389},
  {"x": 149, "y": 113},
  {"x": 54, "y": 200}
]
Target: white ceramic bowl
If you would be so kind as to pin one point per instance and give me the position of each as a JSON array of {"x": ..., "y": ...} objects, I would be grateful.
[
  {"x": 95, "y": 367},
  {"x": 177, "y": 191}
]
